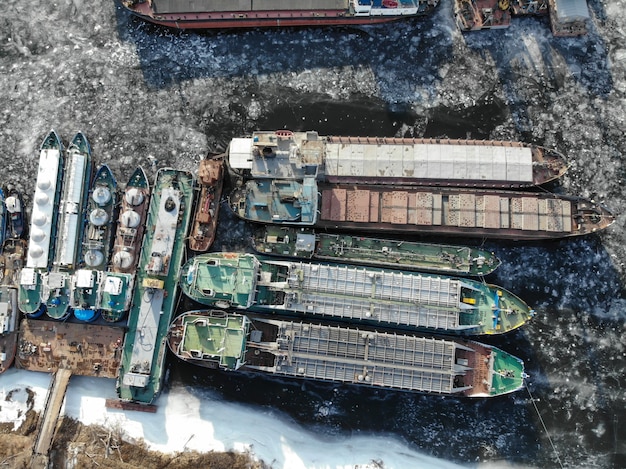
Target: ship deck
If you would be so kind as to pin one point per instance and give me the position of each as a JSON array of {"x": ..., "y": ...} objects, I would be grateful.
[
  {"x": 393, "y": 298},
  {"x": 411, "y": 161},
  {"x": 468, "y": 162},
  {"x": 405, "y": 254},
  {"x": 165, "y": 7},
  {"x": 85, "y": 349},
  {"x": 210, "y": 337},
  {"x": 116, "y": 295},
  {"x": 131, "y": 223},
  {"x": 44, "y": 216},
  {"x": 478, "y": 213},
  {"x": 71, "y": 222},
  {"x": 155, "y": 296},
  {"x": 277, "y": 201},
  {"x": 214, "y": 277},
  {"x": 354, "y": 356}
]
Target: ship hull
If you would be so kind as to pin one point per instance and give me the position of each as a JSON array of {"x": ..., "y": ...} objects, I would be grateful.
[
  {"x": 412, "y": 301},
  {"x": 154, "y": 297},
  {"x": 131, "y": 223},
  {"x": 188, "y": 15},
  {"x": 478, "y": 213},
  {"x": 211, "y": 180},
  {"x": 101, "y": 217},
  {"x": 305, "y": 243},
  {"x": 283, "y": 154},
  {"x": 360, "y": 356}
]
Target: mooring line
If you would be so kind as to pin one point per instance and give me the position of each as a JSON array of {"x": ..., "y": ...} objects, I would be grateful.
[{"x": 545, "y": 429}]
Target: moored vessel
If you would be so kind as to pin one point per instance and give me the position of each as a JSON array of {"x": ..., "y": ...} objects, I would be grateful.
[
  {"x": 131, "y": 223},
  {"x": 204, "y": 226},
  {"x": 306, "y": 243},
  {"x": 434, "y": 211},
  {"x": 11, "y": 262},
  {"x": 101, "y": 219},
  {"x": 3, "y": 219},
  {"x": 408, "y": 300},
  {"x": 211, "y": 14},
  {"x": 385, "y": 360},
  {"x": 284, "y": 154},
  {"x": 43, "y": 226},
  {"x": 154, "y": 297},
  {"x": 58, "y": 282},
  {"x": 15, "y": 214},
  {"x": 480, "y": 213}
]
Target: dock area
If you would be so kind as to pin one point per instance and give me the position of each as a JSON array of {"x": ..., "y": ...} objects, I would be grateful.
[{"x": 83, "y": 349}]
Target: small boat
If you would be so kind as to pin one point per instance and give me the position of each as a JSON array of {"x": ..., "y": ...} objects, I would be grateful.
[
  {"x": 131, "y": 223},
  {"x": 3, "y": 219},
  {"x": 409, "y": 300},
  {"x": 11, "y": 263},
  {"x": 142, "y": 369},
  {"x": 377, "y": 359},
  {"x": 86, "y": 294},
  {"x": 210, "y": 179},
  {"x": 305, "y": 243},
  {"x": 101, "y": 212},
  {"x": 501, "y": 164},
  {"x": 15, "y": 214},
  {"x": 211, "y": 14},
  {"x": 43, "y": 227}
]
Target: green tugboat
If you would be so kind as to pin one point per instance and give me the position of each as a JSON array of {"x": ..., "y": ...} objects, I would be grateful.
[
  {"x": 305, "y": 243},
  {"x": 407, "y": 300},
  {"x": 154, "y": 297},
  {"x": 220, "y": 340}
]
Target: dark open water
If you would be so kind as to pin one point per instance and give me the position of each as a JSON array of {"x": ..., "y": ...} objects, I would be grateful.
[{"x": 142, "y": 93}]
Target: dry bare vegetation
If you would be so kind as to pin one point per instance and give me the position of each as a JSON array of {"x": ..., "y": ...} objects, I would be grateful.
[{"x": 79, "y": 446}]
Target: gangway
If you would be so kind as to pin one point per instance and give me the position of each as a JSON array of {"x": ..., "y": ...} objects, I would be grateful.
[{"x": 49, "y": 418}]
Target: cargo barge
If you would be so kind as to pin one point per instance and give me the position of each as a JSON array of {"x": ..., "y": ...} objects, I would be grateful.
[
  {"x": 305, "y": 243},
  {"x": 283, "y": 154},
  {"x": 434, "y": 211},
  {"x": 384, "y": 360},
  {"x": 388, "y": 298},
  {"x": 212, "y": 14}
]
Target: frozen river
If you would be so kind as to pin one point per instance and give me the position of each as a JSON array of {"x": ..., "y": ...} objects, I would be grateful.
[{"x": 147, "y": 95}]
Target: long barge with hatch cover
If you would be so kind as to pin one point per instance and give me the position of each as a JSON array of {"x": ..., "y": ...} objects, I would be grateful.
[
  {"x": 212, "y": 14},
  {"x": 284, "y": 154},
  {"x": 377, "y": 359},
  {"x": 434, "y": 211},
  {"x": 407, "y": 300},
  {"x": 306, "y": 243}
]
